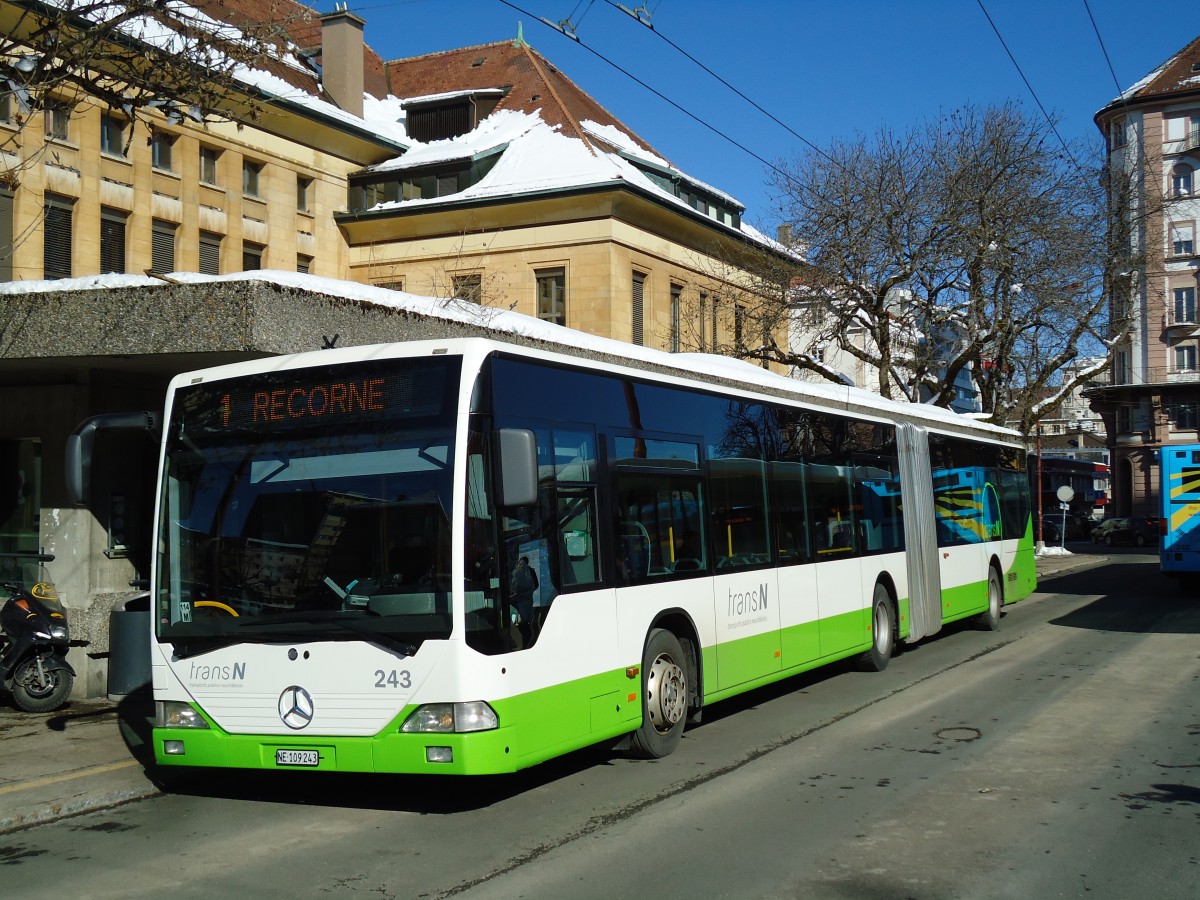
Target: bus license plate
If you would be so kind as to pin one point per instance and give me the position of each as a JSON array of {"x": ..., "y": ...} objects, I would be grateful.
[{"x": 297, "y": 758}]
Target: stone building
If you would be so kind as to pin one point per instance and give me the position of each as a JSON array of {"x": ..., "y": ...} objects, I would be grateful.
[{"x": 1152, "y": 397}]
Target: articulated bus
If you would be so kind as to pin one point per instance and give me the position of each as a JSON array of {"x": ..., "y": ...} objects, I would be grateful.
[
  {"x": 1179, "y": 496},
  {"x": 470, "y": 556}
]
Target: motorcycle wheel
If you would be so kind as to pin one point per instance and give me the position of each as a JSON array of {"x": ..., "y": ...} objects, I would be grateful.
[{"x": 36, "y": 695}]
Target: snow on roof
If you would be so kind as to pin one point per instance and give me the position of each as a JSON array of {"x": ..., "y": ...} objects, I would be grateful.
[
  {"x": 503, "y": 321},
  {"x": 451, "y": 95},
  {"x": 537, "y": 157}
]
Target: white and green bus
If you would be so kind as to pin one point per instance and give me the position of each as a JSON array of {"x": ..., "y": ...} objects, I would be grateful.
[{"x": 470, "y": 556}]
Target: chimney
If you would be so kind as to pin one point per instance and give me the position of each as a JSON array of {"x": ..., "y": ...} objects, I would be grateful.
[{"x": 342, "y": 58}]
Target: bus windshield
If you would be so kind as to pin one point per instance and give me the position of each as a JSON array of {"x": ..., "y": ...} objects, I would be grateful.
[{"x": 326, "y": 523}]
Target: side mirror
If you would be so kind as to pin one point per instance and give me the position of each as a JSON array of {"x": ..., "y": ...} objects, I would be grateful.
[{"x": 516, "y": 468}]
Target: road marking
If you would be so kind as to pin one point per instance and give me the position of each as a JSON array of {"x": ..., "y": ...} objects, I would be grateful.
[{"x": 92, "y": 770}]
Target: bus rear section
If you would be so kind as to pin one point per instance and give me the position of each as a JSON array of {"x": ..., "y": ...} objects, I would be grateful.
[{"x": 1179, "y": 493}]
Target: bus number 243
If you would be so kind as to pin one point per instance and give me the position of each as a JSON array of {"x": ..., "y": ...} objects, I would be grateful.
[{"x": 393, "y": 679}]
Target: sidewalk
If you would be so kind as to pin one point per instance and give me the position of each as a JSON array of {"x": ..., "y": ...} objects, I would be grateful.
[
  {"x": 95, "y": 754},
  {"x": 91, "y": 755}
]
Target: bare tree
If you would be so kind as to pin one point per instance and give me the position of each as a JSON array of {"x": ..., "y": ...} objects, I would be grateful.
[
  {"x": 140, "y": 58},
  {"x": 975, "y": 242}
]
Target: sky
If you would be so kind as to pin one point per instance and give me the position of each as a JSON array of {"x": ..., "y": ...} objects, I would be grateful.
[{"x": 827, "y": 69}]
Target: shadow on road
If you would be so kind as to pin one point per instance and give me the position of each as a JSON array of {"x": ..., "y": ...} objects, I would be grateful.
[{"x": 1132, "y": 597}]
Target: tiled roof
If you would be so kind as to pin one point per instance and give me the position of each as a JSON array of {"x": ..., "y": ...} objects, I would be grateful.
[
  {"x": 531, "y": 81},
  {"x": 302, "y": 26},
  {"x": 1180, "y": 73}
]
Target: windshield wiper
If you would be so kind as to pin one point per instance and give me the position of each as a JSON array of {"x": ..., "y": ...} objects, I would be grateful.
[{"x": 404, "y": 648}]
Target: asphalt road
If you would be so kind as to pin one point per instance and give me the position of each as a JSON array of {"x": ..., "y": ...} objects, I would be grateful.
[{"x": 1058, "y": 757}]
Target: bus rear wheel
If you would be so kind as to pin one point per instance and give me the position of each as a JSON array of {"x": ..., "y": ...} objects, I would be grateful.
[
  {"x": 664, "y": 696},
  {"x": 883, "y": 632}
]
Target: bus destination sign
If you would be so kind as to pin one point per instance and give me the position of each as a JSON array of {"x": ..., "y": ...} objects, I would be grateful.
[{"x": 304, "y": 399}]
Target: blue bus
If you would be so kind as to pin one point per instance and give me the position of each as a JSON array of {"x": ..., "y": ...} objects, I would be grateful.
[{"x": 1179, "y": 493}]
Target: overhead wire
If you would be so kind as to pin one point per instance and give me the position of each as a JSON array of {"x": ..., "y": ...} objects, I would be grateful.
[
  {"x": 691, "y": 115},
  {"x": 1104, "y": 50},
  {"x": 1028, "y": 86}
]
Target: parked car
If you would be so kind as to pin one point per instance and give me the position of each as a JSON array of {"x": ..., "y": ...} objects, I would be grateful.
[
  {"x": 1051, "y": 529},
  {"x": 1136, "y": 530}
]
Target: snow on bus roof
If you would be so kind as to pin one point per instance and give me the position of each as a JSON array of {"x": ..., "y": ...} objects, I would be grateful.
[{"x": 509, "y": 322}]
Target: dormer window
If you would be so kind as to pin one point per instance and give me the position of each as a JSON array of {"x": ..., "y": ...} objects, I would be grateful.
[
  {"x": 444, "y": 116},
  {"x": 426, "y": 183}
]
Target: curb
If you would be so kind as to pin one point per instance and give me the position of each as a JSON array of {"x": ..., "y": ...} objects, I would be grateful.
[{"x": 53, "y": 812}]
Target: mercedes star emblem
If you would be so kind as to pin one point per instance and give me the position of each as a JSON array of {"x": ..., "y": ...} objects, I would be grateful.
[{"x": 295, "y": 707}]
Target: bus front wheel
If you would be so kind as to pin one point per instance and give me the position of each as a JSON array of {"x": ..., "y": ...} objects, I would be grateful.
[
  {"x": 989, "y": 619},
  {"x": 664, "y": 696},
  {"x": 883, "y": 631}
]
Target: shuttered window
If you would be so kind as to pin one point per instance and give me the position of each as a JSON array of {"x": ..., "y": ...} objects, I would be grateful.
[
  {"x": 112, "y": 241},
  {"x": 639, "y": 308},
  {"x": 252, "y": 255},
  {"x": 162, "y": 251},
  {"x": 56, "y": 262},
  {"x": 210, "y": 253},
  {"x": 6, "y": 235},
  {"x": 303, "y": 263}
]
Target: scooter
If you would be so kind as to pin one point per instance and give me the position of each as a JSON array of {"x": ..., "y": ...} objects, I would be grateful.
[{"x": 33, "y": 635}]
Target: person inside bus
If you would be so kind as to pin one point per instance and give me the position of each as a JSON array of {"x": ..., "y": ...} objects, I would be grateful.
[{"x": 521, "y": 588}]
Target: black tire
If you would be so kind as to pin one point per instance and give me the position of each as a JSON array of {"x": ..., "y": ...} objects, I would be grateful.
[
  {"x": 664, "y": 697},
  {"x": 36, "y": 695},
  {"x": 1140, "y": 540},
  {"x": 1108, "y": 540},
  {"x": 989, "y": 619},
  {"x": 883, "y": 632}
]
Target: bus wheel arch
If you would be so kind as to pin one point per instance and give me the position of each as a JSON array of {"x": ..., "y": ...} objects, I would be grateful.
[
  {"x": 666, "y": 691},
  {"x": 885, "y": 626}
]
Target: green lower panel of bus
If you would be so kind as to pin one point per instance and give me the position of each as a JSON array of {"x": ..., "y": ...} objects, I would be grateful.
[
  {"x": 543, "y": 724},
  {"x": 534, "y": 727}
]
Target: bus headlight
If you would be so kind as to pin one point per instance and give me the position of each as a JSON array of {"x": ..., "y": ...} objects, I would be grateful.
[
  {"x": 177, "y": 714},
  {"x": 451, "y": 718}
]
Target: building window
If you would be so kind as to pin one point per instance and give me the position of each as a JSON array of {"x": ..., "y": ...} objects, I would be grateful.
[
  {"x": 552, "y": 295},
  {"x": 1182, "y": 240},
  {"x": 112, "y": 135},
  {"x": 303, "y": 193},
  {"x": 161, "y": 145},
  {"x": 639, "y": 308},
  {"x": 112, "y": 241},
  {"x": 58, "y": 118},
  {"x": 209, "y": 157},
  {"x": 1185, "y": 305},
  {"x": 468, "y": 287},
  {"x": 1124, "y": 419},
  {"x": 703, "y": 318},
  {"x": 5, "y": 107},
  {"x": 6, "y": 234},
  {"x": 252, "y": 255},
  {"x": 1181, "y": 180},
  {"x": 210, "y": 253},
  {"x": 162, "y": 249},
  {"x": 716, "y": 320},
  {"x": 56, "y": 262},
  {"x": 303, "y": 264},
  {"x": 1186, "y": 416},
  {"x": 1117, "y": 133},
  {"x": 676, "y": 304},
  {"x": 251, "y": 172},
  {"x": 739, "y": 327},
  {"x": 1185, "y": 358}
]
